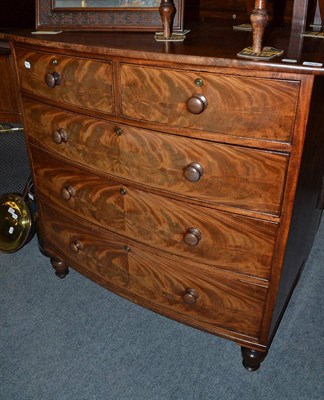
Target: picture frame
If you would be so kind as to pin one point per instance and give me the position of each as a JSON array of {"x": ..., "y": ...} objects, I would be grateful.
[{"x": 104, "y": 15}]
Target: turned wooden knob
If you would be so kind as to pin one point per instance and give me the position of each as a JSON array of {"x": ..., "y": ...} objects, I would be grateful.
[
  {"x": 68, "y": 192},
  {"x": 191, "y": 296},
  {"x": 53, "y": 79},
  {"x": 197, "y": 103},
  {"x": 59, "y": 136},
  {"x": 193, "y": 172},
  {"x": 75, "y": 246},
  {"x": 192, "y": 237}
]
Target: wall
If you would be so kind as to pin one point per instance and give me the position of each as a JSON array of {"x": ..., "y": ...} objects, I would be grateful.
[{"x": 19, "y": 13}]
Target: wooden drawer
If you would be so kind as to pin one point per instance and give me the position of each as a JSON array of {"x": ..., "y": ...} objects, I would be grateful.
[
  {"x": 227, "y": 241},
  {"x": 233, "y": 176},
  {"x": 83, "y": 83},
  {"x": 240, "y": 106},
  {"x": 100, "y": 253},
  {"x": 222, "y": 303}
]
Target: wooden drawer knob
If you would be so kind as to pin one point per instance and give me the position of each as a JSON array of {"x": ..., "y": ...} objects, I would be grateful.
[
  {"x": 197, "y": 104},
  {"x": 192, "y": 237},
  {"x": 191, "y": 296},
  {"x": 68, "y": 192},
  {"x": 193, "y": 172},
  {"x": 75, "y": 246},
  {"x": 53, "y": 79},
  {"x": 59, "y": 136}
]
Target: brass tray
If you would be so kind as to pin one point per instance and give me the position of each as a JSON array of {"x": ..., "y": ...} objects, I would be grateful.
[{"x": 15, "y": 223}]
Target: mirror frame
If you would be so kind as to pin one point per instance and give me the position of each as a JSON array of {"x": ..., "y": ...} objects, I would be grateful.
[{"x": 49, "y": 18}]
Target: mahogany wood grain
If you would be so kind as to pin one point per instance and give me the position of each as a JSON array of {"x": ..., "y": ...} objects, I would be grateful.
[
  {"x": 124, "y": 174},
  {"x": 84, "y": 83},
  {"x": 236, "y": 105},
  {"x": 99, "y": 253},
  {"x": 225, "y": 303},
  {"x": 234, "y": 176},
  {"x": 228, "y": 241},
  {"x": 222, "y": 303},
  {"x": 211, "y": 45}
]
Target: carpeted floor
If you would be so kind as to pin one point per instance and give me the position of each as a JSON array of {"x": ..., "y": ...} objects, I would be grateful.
[
  {"x": 73, "y": 340},
  {"x": 14, "y": 168}
]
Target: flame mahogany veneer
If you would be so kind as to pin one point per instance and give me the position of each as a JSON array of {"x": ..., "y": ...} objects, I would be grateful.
[{"x": 177, "y": 176}]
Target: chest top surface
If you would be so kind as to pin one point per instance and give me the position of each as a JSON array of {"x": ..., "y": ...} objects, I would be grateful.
[{"x": 212, "y": 44}]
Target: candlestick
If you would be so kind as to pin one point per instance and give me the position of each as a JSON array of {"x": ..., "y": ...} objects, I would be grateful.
[
  {"x": 167, "y": 11},
  {"x": 259, "y": 20}
]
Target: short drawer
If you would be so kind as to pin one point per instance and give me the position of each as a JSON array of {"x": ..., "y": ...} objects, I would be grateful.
[
  {"x": 78, "y": 244},
  {"x": 212, "y": 237},
  {"x": 205, "y": 171},
  {"x": 195, "y": 293},
  {"x": 240, "y": 106},
  {"x": 76, "y": 81}
]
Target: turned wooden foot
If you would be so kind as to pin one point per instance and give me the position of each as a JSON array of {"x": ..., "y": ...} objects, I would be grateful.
[
  {"x": 252, "y": 359},
  {"x": 61, "y": 269}
]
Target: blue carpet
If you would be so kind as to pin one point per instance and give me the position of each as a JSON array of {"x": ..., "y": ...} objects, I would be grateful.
[{"x": 73, "y": 340}]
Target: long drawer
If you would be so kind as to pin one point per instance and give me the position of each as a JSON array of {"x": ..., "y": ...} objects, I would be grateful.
[
  {"x": 76, "y": 81},
  {"x": 76, "y": 243},
  {"x": 234, "y": 105},
  {"x": 209, "y": 172},
  {"x": 214, "y": 300},
  {"x": 202, "y": 295},
  {"x": 206, "y": 235}
]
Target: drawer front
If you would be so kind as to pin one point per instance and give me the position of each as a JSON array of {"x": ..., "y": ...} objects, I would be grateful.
[
  {"x": 221, "y": 303},
  {"x": 213, "y": 301},
  {"x": 81, "y": 82},
  {"x": 99, "y": 253},
  {"x": 240, "y": 106},
  {"x": 205, "y": 171},
  {"x": 208, "y": 236}
]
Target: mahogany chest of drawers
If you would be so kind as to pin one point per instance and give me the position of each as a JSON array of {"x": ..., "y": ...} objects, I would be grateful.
[{"x": 176, "y": 181}]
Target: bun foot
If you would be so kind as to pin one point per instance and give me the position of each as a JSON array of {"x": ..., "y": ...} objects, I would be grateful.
[
  {"x": 252, "y": 359},
  {"x": 61, "y": 269}
]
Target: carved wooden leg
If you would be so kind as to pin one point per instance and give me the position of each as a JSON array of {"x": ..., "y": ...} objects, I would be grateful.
[
  {"x": 61, "y": 269},
  {"x": 252, "y": 359}
]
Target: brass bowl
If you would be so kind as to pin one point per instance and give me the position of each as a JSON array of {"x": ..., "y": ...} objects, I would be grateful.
[{"x": 15, "y": 223}]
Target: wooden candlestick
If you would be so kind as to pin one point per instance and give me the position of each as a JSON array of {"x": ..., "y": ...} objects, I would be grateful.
[
  {"x": 259, "y": 20},
  {"x": 167, "y": 11}
]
